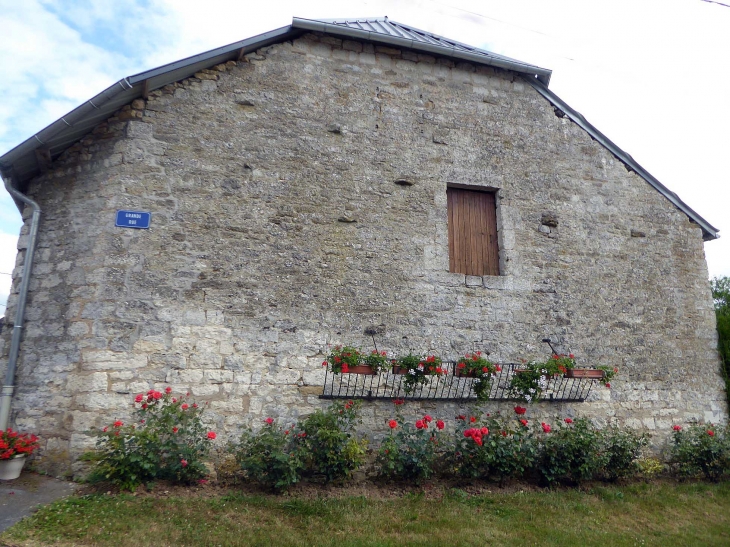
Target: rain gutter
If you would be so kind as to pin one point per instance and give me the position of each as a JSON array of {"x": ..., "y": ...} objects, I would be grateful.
[{"x": 6, "y": 394}]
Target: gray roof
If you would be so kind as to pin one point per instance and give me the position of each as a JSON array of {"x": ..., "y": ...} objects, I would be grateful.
[{"x": 27, "y": 160}]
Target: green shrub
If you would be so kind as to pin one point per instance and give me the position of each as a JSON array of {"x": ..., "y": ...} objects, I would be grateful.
[
  {"x": 168, "y": 441},
  {"x": 410, "y": 451},
  {"x": 269, "y": 456},
  {"x": 492, "y": 447},
  {"x": 572, "y": 453},
  {"x": 327, "y": 442},
  {"x": 701, "y": 450},
  {"x": 623, "y": 447}
]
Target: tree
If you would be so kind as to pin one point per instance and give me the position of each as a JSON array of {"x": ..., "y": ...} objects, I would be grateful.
[{"x": 721, "y": 296}]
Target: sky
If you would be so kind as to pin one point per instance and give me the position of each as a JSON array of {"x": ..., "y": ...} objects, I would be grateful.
[{"x": 650, "y": 74}]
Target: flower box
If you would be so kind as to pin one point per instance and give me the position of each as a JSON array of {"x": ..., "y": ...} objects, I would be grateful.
[
  {"x": 585, "y": 373},
  {"x": 360, "y": 369}
]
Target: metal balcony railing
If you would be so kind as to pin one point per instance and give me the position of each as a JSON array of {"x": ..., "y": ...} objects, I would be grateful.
[{"x": 447, "y": 387}]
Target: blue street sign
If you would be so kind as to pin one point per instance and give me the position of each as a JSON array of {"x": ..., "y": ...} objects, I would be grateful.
[{"x": 133, "y": 219}]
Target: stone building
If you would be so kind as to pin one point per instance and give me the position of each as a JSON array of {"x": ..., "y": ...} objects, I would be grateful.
[{"x": 310, "y": 186}]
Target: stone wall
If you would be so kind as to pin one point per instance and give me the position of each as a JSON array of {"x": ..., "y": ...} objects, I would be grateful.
[{"x": 278, "y": 228}]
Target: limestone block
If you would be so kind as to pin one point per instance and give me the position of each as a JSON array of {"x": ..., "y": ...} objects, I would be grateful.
[
  {"x": 97, "y": 381},
  {"x": 110, "y": 360}
]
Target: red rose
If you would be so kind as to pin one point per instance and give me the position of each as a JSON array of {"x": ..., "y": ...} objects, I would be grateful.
[
  {"x": 477, "y": 440},
  {"x": 138, "y": 398},
  {"x": 144, "y": 405},
  {"x": 545, "y": 427},
  {"x": 184, "y": 406},
  {"x": 184, "y": 463},
  {"x": 106, "y": 428},
  {"x": 520, "y": 410},
  {"x": 440, "y": 424},
  {"x": 195, "y": 405},
  {"x": 118, "y": 424},
  {"x": 398, "y": 402},
  {"x": 324, "y": 363},
  {"x": 524, "y": 422},
  {"x": 427, "y": 418},
  {"x": 174, "y": 429},
  {"x": 568, "y": 421},
  {"x": 485, "y": 369},
  {"x": 345, "y": 367},
  {"x": 608, "y": 385},
  {"x": 461, "y": 417},
  {"x": 485, "y": 431},
  {"x": 710, "y": 432},
  {"x": 392, "y": 424},
  {"x": 269, "y": 420},
  {"x": 571, "y": 356},
  {"x": 420, "y": 424},
  {"x": 156, "y": 395},
  {"x": 677, "y": 428},
  {"x": 472, "y": 419},
  {"x": 211, "y": 435},
  {"x": 615, "y": 369},
  {"x": 168, "y": 389},
  {"x": 468, "y": 432},
  {"x": 460, "y": 365}
]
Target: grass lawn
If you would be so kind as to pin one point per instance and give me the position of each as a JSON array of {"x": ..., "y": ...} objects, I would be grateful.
[{"x": 639, "y": 514}]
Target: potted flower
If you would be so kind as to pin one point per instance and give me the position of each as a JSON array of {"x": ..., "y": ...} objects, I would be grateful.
[
  {"x": 529, "y": 381},
  {"x": 350, "y": 360},
  {"x": 483, "y": 371},
  {"x": 14, "y": 447},
  {"x": 417, "y": 370},
  {"x": 347, "y": 360},
  {"x": 566, "y": 365},
  {"x": 377, "y": 361}
]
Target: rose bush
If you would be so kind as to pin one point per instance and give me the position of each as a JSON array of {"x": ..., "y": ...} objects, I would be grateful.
[{"x": 168, "y": 440}]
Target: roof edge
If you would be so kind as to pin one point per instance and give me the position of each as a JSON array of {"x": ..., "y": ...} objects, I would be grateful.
[
  {"x": 709, "y": 232},
  {"x": 329, "y": 27}
]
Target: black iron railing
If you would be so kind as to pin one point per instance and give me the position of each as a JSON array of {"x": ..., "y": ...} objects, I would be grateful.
[{"x": 447, "y": 387}]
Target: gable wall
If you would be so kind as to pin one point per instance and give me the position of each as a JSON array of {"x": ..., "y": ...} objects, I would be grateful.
[{"x": 247, "y": 274}]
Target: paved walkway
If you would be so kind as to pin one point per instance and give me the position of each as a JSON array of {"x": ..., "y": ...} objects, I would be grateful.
[{"x": 18, "y": 498}]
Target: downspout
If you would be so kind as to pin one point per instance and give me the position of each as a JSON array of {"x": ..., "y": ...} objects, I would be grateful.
[{"x": 6, "y": 394}]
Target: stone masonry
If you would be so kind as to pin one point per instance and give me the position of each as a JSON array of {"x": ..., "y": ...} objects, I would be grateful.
[{"x": 278, "y": 228}]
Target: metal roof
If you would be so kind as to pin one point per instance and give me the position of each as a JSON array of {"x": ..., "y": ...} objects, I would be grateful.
[
  {"x": 386, "y": 31},
  {"x": 26, "y": 160}
]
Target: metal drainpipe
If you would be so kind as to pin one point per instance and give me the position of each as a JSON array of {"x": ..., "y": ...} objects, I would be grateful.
[{"x": 6, "y": 394}]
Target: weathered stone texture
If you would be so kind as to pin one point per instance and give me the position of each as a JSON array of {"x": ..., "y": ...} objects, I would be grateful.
[{"x": 246, "y": 273}]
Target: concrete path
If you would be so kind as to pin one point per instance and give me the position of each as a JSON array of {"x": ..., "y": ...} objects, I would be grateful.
[{"x": 18, "y": 498}]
